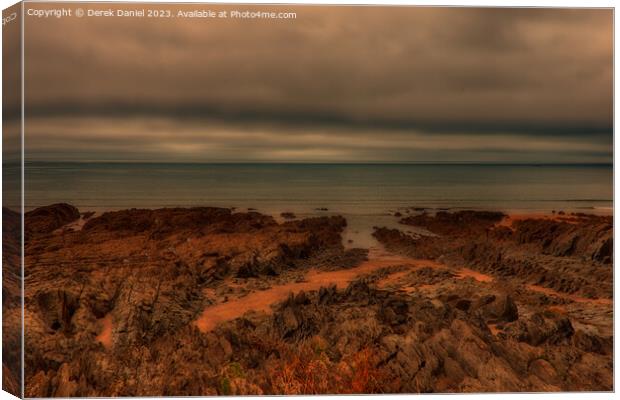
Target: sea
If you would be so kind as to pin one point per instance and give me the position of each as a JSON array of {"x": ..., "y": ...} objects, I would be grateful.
[{"x": 366, "y": 194}]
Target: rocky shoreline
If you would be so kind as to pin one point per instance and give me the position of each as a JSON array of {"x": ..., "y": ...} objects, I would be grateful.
[{"x": 207, "y": 301}]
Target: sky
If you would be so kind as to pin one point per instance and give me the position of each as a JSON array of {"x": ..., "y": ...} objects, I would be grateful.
[{"x": 336, "y": 84}]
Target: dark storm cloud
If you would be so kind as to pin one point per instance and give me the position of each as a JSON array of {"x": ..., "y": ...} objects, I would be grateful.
[
  {"x": 539, "y": 74},
  {"x": 164, "y": 139}
]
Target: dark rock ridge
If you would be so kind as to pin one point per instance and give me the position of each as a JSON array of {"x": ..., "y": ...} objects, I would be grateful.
[
  {"x": 47, "y": 219},
  {"x": 571, "y": 255},
  {"x": 11, "y": 302},
  {"x": 590, "y": 237},
  {"x": 146, "y": 272},
  {"x": 111, "y": 308},
  {"x": 458, "y": 223},
  {"x": 366, "y": 340}
]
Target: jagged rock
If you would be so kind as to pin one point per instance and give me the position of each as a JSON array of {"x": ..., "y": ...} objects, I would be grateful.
[
  {"x": 460, "y": 222},
  {"x": 127, "y": 289},
  {"x": 327, "y": 295},
  {"x": 570, "y": 255},
  {"x": 394, "y": 311},
  {"x": 145, "y": 270},
  {"x": 57, "y": 308},
  {"x": 544, "y": 328},
  {"x": 49, "y": 218},
  {"x": 497, "y": 308}
]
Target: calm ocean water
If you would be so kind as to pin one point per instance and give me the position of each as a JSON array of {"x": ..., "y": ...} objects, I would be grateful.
[
  {"x": 352, "y": 189},
  {"x": 365, "y": 194}
]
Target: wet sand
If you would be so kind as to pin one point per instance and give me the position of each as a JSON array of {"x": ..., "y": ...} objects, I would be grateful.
[
  {"x": 105, "y": 336},
  {"x": 514, "y": 217},
  {"x": 566, "y": 296},
  {"x": 468, "y": 273},
  {"x": 261, "y": 301}
]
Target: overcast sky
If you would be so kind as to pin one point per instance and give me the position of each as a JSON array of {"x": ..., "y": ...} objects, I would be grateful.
[{"x": 337, "y": 84}]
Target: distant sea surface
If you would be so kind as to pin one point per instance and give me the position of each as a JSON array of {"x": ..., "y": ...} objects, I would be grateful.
[
  {"x": 359, "y": 189},
  {"x": 367, "y": 194}
]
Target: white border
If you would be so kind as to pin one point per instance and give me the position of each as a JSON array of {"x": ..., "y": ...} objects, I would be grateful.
[{"x": 462, "y": 3}]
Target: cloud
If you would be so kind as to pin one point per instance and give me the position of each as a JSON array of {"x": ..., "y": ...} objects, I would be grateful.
[
  {"x": 165, "y": 139},
  {"x": 538, "y": 81}
]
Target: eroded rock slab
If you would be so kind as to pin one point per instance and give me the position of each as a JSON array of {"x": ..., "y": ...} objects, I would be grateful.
[{"x": 477, "y": 306}]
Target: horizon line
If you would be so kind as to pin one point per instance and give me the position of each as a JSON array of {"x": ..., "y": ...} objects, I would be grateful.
[{"x": 320, "y": 162}]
